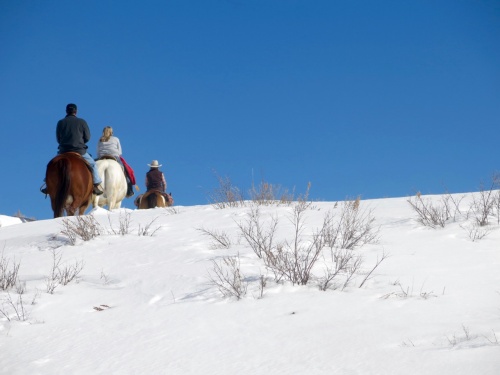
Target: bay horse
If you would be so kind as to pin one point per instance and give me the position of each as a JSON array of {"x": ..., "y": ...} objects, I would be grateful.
[
  {"x": 69, "y": 184},
  {"x": 152, "y": 199},
  {"x": 113, "y": 184}
]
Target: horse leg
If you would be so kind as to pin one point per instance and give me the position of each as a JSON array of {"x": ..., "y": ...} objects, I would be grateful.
[
  {"x": 70, "y": 210},
  {"x": 161, "y": 201},
  {"x": 57, "y": 212},
  {"x": 83, "y": 207}
]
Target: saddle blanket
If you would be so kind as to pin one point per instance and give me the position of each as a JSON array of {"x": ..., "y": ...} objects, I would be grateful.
[{"x": 129, "y": 170}]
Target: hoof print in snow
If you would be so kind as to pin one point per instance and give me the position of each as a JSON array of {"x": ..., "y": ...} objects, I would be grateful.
[{"x": 101, "y": 307}]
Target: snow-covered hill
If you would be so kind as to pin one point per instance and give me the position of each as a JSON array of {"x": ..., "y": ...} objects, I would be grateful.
[{"x": 143, "y": 302}]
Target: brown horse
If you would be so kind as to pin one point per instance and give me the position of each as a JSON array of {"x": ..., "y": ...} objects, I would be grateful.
[
  {"x": 152, "y": 199},
  {"x": 69, "y": 184}
]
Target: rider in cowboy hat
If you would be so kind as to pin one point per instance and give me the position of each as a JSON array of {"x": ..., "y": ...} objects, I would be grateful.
[{"x": 155, "y": 180}]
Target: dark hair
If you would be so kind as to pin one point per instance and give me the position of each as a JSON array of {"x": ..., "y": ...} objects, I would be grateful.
[{"x": 71, "y": 108}]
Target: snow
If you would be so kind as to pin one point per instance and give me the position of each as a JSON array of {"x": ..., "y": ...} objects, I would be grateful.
[
  {"x": 9, "y": 220},
  {"x": 144, "y": 304}
]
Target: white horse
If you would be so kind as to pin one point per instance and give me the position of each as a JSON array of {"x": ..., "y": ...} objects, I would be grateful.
[{"x": 113, "y": 184}]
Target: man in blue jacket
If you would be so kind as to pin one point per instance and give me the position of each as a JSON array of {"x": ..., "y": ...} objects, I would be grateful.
[{"x": 72, "y": 134}]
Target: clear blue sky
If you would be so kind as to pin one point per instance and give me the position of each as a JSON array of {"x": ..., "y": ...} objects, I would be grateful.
[{"x": 371, "y": 98}]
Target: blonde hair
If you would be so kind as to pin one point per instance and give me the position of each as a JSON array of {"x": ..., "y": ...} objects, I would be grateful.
[{"x": 107, "y": 132}]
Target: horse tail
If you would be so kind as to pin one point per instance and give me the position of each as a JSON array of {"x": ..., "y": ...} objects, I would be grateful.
[
  {"x": 63, "y": 186},
  {"x": 152, "y": 200}
]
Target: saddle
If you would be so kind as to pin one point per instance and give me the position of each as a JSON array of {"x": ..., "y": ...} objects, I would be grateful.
[
  {"x": 81, "y": 157},
  {"x": 109, "y": 157}
]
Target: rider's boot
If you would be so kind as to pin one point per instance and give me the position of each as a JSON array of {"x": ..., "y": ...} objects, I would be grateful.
[
  {"x": 97, "y": 189},
  {"x": 130, "y": 190}
]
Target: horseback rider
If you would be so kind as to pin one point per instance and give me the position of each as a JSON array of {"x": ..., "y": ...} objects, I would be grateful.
[
  {"x": 72, "y": 134},
  {"x": 109, "y": 145},
  {"x": 155, "y": 180}
]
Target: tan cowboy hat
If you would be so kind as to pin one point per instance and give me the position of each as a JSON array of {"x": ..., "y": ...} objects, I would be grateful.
[{"x": 154, "y": 164}]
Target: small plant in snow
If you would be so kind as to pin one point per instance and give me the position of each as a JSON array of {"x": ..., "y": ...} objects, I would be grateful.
[
  {"x": 147, "y": 230},
  {"x": 408, "y": 292},
  {"x": 344, "y": 263},
  {"x": 14, "y": 308},
  {"x": 227, "y": 277},
  {"x": 475, "y": 231},
  {"x": 457, "y": 339},
  {"x": 226, "y": 194},
  {"x": 105, "y": 278},
  {"x": 124, "y": 224},
  {"x": 494, "y": 340},
  {"x": 355, "y": 227},
  {"x": 377, "y": 263},
  {"x": 294, "y": 260},
  {"x": 484, "y": 204},
  {"x": 61, "y": 275},
  {"x": 8, "y": 273},
  {"x": 85, "y": 227},
  {"x": 260, "y": 238},
  {"x": 220, "y": 238},
  {"x": 173, "y": 210},
  {"x": 262, "y": 285},
  {"x": 430, "y": 214},
  {"x": 268, "y": 194}
]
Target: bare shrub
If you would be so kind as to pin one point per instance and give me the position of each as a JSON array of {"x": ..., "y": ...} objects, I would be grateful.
[
  {"x": 494, "y": 340},
  {"x": 8, "y": 273},
  {"x": 172, "y": 210},
  {"x": 105, "y": 278},
  {"x": 262, "y": 285},
  {"x": 259, "y": 238},
  {"x": 220, "y": 238},
  {"x": 353, "y": 229},
  {"x": 344, "y": 263},
  {"x": 147, "y": 230},
  {"x": 294, "y": 260},
  {"x": 483, "y": 203},
  {"x": 377, "y": 263},
  {"x": 429, "y": 214},
  {"x": 226, "y": 194},
  {"x": 227, "y": 277},
  {"x": 70, "y": 272},
  {"x": 267, "y": 194},
  {"x": 408, "y": 292},
  {"x": 23, "y": 217},
  {"x": 497, "y": 206},
  {"x": 453, "y": 204},
  {"x": 123, "y": 225},
  {"x": 475, "y": 231},
  {"x": 61, "y": 275},
  {"x": 85, "y": 227},
  {"x": 14, "y": 308},
  {"x": 457, "y": 339}
]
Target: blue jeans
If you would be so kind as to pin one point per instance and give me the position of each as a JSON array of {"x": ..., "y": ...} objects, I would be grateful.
[{"x": 91, "y": 161}]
